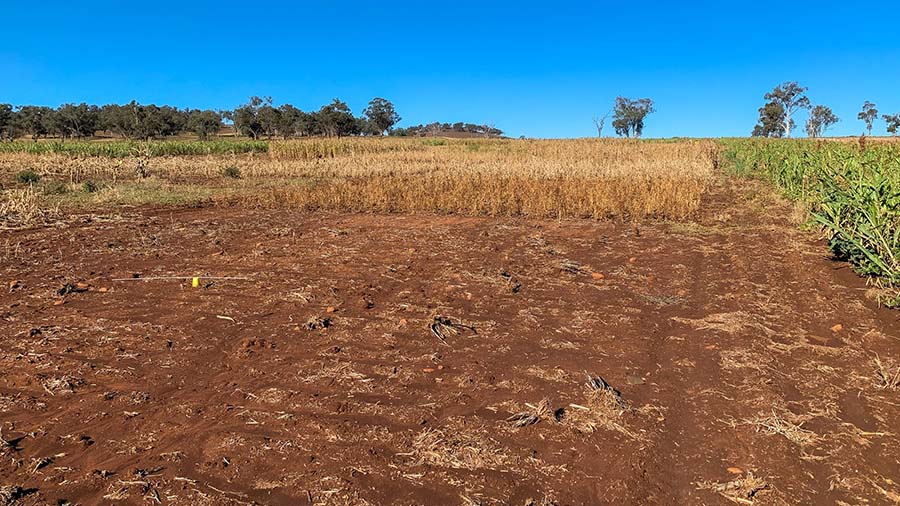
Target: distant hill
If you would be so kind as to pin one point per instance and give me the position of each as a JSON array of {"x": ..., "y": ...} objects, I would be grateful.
[{"x": 455, "y": 130}]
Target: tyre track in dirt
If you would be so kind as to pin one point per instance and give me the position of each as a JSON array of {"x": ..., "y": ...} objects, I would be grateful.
[{"x": 765, "y": 337}]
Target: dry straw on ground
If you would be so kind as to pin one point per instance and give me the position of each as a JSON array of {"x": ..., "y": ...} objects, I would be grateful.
[
  {"x": 785, "y": 424},
  {"x": 23, "y": 206},
  {"x": 743, "y": 490},
  {"x": 458, "y": 449},
  {"x": 887, "y": 373}
]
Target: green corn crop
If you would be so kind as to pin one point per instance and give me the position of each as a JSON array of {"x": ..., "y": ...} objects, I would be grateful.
[
  {"x": 852, "y": 191},
  {"x": 121, "y": 149}
]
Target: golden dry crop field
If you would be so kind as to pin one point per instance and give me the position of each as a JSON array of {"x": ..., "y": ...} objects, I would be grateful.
[{"x": 568, "y": 178}]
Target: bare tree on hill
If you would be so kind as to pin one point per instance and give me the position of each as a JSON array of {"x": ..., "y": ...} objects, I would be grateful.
[{"x": 599, "y": 122}]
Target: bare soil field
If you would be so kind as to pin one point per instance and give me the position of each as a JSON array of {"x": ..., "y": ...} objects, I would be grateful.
[{"x": 389, "y": 359}]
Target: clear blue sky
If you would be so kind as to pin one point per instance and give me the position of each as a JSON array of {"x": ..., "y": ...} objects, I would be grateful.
[{"x": 539, "y": 69}]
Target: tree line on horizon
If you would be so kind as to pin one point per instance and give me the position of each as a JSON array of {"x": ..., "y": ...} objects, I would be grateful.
[
  {"x": 776, "y": 117},
  {"x": 257, "y": 118}
]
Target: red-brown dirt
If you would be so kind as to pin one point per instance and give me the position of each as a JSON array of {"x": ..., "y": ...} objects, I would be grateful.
[{"x": 744, "y": 358}]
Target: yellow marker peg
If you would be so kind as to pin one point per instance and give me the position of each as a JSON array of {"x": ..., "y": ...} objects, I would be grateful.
[{"x": 195, "y": 282}]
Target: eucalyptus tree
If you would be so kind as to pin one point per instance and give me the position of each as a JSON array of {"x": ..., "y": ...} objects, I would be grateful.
[
  {"x": 821, "y": 117},
  {"x": 792, "y": 98},
  {"x": 629, "y": 115},
  {"x": 381, "y": 116},
  {"x": 868, "y": 115}
]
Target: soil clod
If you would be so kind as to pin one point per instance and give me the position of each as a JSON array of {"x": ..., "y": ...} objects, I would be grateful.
[{"x": 68, "y": 288}]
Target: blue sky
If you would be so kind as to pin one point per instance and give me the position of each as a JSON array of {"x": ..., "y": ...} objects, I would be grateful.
[{"x": 538, "y": 69}]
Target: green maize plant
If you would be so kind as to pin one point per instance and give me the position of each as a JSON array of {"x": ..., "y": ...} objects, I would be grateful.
[
  {"x": 333, "y": 147},
  {"x": 122, "y": 149},
  {"x": 852, "y": 191}
]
